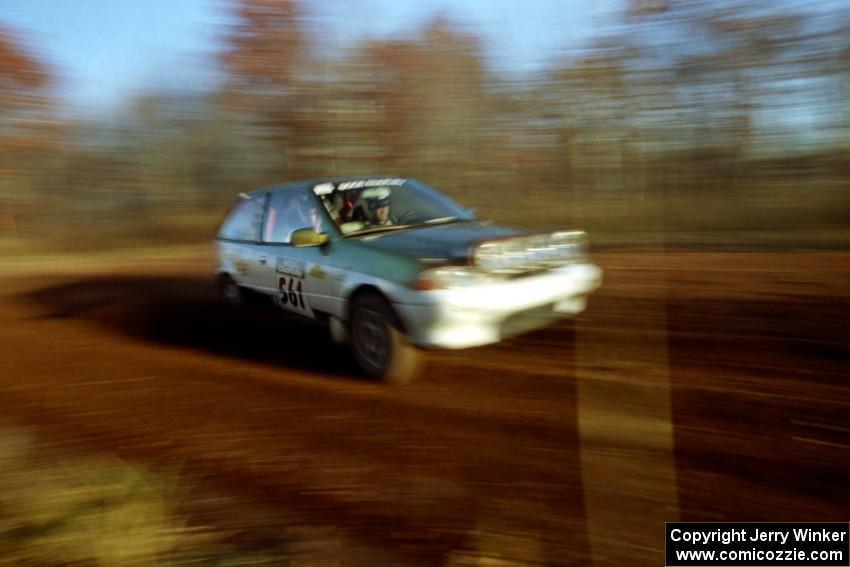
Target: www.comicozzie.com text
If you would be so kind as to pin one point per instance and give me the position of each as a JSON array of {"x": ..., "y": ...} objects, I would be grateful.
[{"x": 732, "y": 535}]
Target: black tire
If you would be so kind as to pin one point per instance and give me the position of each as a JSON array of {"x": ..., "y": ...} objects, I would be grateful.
[
  {"x": 229, "y": 292},
  {"x": 380, "y": 347}
]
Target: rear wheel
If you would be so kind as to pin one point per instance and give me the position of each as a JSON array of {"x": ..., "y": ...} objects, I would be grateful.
[
  {"x": 379, "y": 345},
  {"x": 229, "y": 291}
]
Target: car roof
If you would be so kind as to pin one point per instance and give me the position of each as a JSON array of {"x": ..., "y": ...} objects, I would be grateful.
[{"x": 318, "y": 180}]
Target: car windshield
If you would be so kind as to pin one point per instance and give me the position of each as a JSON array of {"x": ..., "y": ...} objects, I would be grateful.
[{"x": 373, "y": 205}]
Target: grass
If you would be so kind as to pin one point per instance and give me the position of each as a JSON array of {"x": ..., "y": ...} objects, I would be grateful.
[{"x": 98, "y": 511}]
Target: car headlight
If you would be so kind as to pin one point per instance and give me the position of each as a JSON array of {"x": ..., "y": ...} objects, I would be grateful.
[
  {"x": 448, "y": 277},
  {"x": 526, "y": 253},
  {"x": 567, "y": 246},
  {"x": 500, "y": 256}
]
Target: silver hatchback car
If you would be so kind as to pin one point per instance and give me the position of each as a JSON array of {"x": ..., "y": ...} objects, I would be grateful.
[{"x": 393, "y": 266}]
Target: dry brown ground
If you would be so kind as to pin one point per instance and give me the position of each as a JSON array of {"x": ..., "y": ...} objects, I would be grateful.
[{"x": 697, "y": 386}]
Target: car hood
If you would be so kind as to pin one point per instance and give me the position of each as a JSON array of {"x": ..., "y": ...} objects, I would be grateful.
[{"x": 436, "y": 244}]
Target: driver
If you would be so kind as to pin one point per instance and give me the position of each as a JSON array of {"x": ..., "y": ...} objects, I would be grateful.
[{"x": 378, "y": 202}]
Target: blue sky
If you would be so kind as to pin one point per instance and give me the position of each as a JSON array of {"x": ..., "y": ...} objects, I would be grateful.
[{"x": 105, "y": 51}]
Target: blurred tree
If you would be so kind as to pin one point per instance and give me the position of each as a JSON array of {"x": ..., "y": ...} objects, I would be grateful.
[
  {"x": 28, "y": 130},
  {"x": 23, "y": 80},
  {"x": 264, "y": 48},
  {"x": 420, "y": 102},
  {"x": 265, "y": 60},
  {"x": 587, "y": 108},
  {"x": 729, "y": 59},
  {"x": 398, "y": 105},
  {"x": 185, "y": 153}
]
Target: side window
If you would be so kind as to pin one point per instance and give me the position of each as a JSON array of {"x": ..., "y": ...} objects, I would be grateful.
[
  {"x": 289, "y": 210},
  {"x": 243, "y": 222}
]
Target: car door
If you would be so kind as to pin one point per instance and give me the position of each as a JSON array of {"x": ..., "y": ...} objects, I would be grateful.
[{"x": 296, "y": 277}]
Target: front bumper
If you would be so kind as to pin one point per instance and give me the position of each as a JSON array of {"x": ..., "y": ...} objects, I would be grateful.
[{"x": 484, "y": 314}]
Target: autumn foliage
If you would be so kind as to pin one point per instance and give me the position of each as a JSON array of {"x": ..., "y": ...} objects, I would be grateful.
[{"x": 689, "y": 122}]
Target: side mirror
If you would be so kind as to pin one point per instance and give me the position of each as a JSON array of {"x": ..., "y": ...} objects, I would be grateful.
[
  {"x": 308, "y": 237},
  {"x": 471, "y": 211}
]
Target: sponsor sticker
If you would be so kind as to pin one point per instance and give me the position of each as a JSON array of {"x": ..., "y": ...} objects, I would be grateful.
[
  {"x": 360, "y": 183},
  {"x": 290, "y": 267}
]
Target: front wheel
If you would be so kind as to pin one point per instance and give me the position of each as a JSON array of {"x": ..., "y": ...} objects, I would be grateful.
[{"x": 380, "y": 347}]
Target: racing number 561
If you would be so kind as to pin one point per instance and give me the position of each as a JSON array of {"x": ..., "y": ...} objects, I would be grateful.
[{"x": 291, "y": 292}]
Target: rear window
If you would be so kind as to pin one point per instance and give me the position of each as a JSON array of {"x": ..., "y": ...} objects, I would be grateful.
[{"x": 243, "y": 222}]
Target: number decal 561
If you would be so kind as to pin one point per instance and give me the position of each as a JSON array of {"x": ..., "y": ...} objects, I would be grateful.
[{"x": 291, "y": 292}]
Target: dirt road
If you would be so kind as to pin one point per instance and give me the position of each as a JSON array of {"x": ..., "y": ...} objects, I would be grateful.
[{"x": 697, "y": 386}]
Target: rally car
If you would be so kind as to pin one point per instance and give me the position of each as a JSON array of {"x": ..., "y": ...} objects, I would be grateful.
[{"x": 393, "y": 266}]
